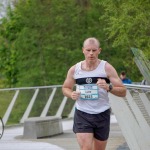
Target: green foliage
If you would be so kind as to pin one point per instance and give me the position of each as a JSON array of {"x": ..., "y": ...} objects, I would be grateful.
[
  {"x": 128, "y": 23},
  {"x": 47, "y": 39},
  {"x": 40, "y": 40}
]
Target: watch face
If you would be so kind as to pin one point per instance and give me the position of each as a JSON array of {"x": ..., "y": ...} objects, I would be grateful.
[{"x": 110, "y": 87}]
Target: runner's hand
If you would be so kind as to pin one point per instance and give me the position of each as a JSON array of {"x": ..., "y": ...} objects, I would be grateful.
[
  {"x": 102, "y": 84},
  {"x": 75, "y": 95}
]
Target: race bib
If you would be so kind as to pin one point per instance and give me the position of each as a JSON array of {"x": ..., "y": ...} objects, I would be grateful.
[{"x": 88, "y": 91}]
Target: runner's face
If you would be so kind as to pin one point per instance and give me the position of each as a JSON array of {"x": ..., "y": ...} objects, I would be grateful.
[{"x": 91, "y": 52}]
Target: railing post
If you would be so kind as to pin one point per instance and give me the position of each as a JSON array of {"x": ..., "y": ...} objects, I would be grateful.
[
  {"x": 28, "y": 110},
  {"x": 46, "y": 108},
  {"x": 71, "y": 114},
  {"x": 61, "y": 107},
  {"x": 10, "y": 107}
]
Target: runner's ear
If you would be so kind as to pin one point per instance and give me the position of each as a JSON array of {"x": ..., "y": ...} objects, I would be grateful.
[{"x": 100, "y": 49}]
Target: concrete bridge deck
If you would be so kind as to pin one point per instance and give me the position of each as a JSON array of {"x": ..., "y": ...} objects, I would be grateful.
[{"x": 13, "y": 140}]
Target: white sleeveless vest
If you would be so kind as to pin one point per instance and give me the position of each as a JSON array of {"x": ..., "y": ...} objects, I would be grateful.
[{"x": 100, "y": 101}]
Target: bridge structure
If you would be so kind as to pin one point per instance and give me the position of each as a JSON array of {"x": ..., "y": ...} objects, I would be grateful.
[
  {"x": 131, "y": 112},
  {"x": 142, "y": 63}
]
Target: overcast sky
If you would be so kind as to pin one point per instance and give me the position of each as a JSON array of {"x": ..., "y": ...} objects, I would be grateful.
[{"x": 3, "y": 5}]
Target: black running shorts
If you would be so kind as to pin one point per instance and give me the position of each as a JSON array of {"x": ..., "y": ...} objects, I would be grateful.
[{"x": 98, "y": 124}]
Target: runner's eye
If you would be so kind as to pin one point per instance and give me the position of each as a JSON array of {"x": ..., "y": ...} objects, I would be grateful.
[{"x": 93, "y": 50}]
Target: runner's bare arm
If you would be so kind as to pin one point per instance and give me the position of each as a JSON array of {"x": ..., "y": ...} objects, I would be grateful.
[
  {"x": 68, "y": 85},
  {"x": 118, "y": 88}
]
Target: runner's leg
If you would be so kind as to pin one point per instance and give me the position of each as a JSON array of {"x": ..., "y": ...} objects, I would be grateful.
[
  {"x": 99, "y": 145},
  {"x": 85, "y": 140}
]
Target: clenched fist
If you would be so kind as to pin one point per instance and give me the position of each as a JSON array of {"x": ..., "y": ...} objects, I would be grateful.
[{"x": 75, "y": 95}]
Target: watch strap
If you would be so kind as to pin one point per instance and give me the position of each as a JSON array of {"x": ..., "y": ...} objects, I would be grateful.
[{"x": 110, "y": 87}]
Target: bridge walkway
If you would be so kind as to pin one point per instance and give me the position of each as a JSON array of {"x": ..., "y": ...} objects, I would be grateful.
[
  {"x": 13, "y": 139},
  {"x": 132, "y": 113}
]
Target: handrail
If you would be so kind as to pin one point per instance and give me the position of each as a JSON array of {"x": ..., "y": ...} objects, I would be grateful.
[
  {"x": 135, "y": 86},
  {"x": 29, "y": 88},
  {"x": 52, "y": 86}
]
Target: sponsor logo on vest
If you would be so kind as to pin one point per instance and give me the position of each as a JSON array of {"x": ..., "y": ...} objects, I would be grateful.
[{"x": 88, "y": 80}]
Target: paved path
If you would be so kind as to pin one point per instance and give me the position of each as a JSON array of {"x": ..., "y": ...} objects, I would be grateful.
[{"x": 12, "y": 139}]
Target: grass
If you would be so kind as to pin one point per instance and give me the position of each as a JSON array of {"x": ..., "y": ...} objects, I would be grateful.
[{"x": 5, "y": 99}]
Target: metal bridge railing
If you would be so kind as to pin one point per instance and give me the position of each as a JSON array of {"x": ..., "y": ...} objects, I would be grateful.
[
  {"x": 132, "y": 112},
  {"x": 45, "y": 95},
  {"x": 133, "y": 115},
  {"x": 142, "y": 63}
]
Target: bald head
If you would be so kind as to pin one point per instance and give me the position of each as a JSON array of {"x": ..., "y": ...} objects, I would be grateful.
[{"x": 91, "y": 41}]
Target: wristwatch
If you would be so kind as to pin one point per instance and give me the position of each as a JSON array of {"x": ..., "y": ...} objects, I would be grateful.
[{"x": 110, "y": 87}]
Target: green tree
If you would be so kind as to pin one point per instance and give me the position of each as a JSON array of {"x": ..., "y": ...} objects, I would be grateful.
[
  {"x": 45, "y": 32},
  {"x": 128, "y": 22},
  {"x": 42, "y": 39},
  {"x": 127, "y": 25}
]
